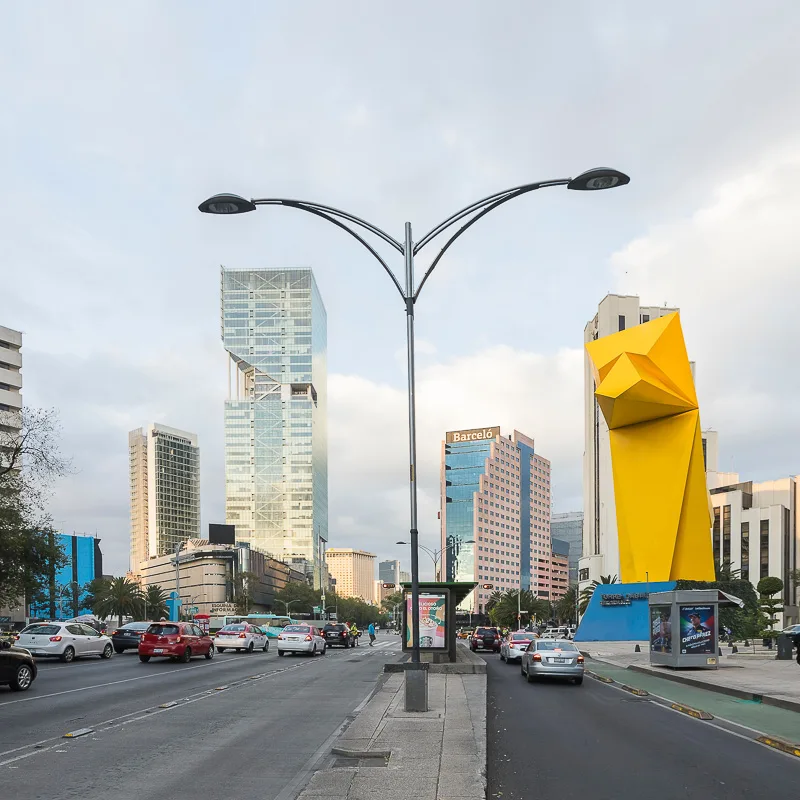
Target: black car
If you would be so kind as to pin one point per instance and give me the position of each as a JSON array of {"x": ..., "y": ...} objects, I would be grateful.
[
  {"x": 337, "y": 634},
  {"x": 128, "y": 636},
  {"x": 485, "y": 639},
  {"x": 17, "y": 667},
  {"x": 794, "y": 634}
]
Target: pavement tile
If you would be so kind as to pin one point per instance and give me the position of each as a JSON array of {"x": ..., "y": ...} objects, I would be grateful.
[
  {"x": 330, "y": 782},
  {"x": 459, "y": 764},
  {"x": 459, "y": 784},
  {"x": 423, "y": 767}
]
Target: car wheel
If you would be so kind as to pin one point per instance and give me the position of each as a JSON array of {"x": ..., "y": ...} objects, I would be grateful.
[
  {"x": 281, "y": 653},
  {"x": 313, "y": 651},
  {"x": 186, "y": 655},
  {"x": 251, "y": 647},
  {"x": 68, "y": 655},
  {"x": 578, "y": 681},
  {"x": 528, "y": 676},
  {"x": 220, "y": 649},
  {"x": 522, "y": 669},
  {"x": 210, "y": 653},
  {"x": 324, "y": 649},
  {"x": 502, "y": 657},
  {"x": 265, "y": 648},
  {"x": 108, "y": 651},
  {"x": 119, "y": 650},
  {"x": 23, "y": 678},
  {"x": 144, "y": 659}
]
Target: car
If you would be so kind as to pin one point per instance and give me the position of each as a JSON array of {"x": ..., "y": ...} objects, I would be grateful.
[
  {"x": 301, "y": 639},
  {"x": 485, "y": 639},
  {"x": 514, "y": 645},
  {"x": 128, "y": 636},
  {"x": 17, "y": 667},
  {"x": 556, "y": 633},
  {"x": 556, "y": 658},
  {"x": 337, "y": 634},
  {"x": 241, "y": 636},
  {"x": 179, "y": 640},
  {"x": 64, "y": 640},
  {"x": 794, "y": 633}
]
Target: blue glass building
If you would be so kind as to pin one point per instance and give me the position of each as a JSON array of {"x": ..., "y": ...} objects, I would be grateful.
[{"x": 84, "y": 564}]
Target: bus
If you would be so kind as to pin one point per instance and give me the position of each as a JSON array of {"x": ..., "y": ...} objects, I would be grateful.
[{"x": 272, "y": 624}]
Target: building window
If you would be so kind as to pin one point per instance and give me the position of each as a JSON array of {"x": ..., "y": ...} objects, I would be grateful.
[
  {"x": 726, "y": 534},
  {"x": 645, "y": 318},
  {"x": 716, "y": 532},
  {"x": 583, "y": 575},
  {"x": 745, "y": 549},
  {"x": 764, "y": 548},
  {"x": 622, "y": 322}
]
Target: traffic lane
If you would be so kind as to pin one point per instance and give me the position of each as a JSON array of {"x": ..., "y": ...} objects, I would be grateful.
[
  {"x": 74, "y": 694},
  {"x": 248, "y": 740},
  {"x": 597, "y": 741}
]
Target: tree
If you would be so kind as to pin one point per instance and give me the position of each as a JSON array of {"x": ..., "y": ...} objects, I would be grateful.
[
  {"x": 29, "y": 462},
  {"x": 588, "y": 592},
  {"x": 767, "y": 588},
  {"x": 155, "y": 602},
  {"x": 565, "y": 607},
  {"x": 723, "y": 571},
  {"x": 502, "y": 608},
  {"x": 299, "y": 598},
  {"x": 243, "y": 591},
  {"x": 118, "y": 597}
]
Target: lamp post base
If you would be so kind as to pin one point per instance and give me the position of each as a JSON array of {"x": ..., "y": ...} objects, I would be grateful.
[{"x": 416, "y": 679}]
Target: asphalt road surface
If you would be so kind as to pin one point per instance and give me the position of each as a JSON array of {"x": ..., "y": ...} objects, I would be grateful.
[
  {"x": 242, "y": 725},
  {"x": 551, "y": 739}
]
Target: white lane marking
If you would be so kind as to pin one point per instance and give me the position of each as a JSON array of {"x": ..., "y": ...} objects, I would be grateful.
[{"x": 124, "y": 680}]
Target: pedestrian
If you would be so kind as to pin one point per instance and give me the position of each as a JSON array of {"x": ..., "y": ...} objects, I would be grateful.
[{"x": 371, "y": 631}]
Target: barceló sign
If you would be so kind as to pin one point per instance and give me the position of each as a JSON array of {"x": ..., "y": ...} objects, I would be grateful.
[{"x": 472, "y": 435}]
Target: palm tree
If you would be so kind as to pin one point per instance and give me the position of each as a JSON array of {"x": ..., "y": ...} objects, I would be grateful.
[
  {"x": 588, "y": 592},
  {"x": 565, "y": 607},
  {"x": 118, "y": 597},
  {"x": 155, "y": 602}
]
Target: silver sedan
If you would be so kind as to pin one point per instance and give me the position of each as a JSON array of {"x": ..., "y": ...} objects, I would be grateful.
[
  {"x": 514, "y": 645},
  {"x": 558, "y": 658}
]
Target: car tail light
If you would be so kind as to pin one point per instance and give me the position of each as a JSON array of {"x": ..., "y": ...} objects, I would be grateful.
[
  {"x": 344, "y": 634},
  {"x": 242, "y": 635},
  {"x": 16, "y": 638},
  {"x": 537, "y": 657},
  {"x": 580, "y": 659},
  {"x": 55, "y": 638},
  {"x": 115, "y": 633},
  {"x": 309, "y": 638}
]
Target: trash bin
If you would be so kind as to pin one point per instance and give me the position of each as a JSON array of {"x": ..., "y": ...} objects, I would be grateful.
[{"x": 784, "y": 647}]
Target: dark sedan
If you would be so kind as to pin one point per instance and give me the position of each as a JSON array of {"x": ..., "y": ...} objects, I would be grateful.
[
  {"x": 128, "y": 636},
  {"x": 17, "y": 667}
]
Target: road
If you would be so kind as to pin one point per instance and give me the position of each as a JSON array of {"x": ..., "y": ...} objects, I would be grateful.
[
  {"x": 553, "y": 739},
  {"x": 244, "y": 725}
]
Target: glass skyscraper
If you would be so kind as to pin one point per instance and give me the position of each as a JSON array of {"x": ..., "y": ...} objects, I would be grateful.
[{"x": 274, "y": 327}]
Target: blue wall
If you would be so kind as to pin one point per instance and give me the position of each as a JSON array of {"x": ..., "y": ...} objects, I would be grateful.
[
  {"x": 525, "y": 453},
  {"x": 619, "y": 623}
]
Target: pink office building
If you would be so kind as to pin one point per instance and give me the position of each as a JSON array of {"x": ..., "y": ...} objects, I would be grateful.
[{"x": 495, "y": 491}]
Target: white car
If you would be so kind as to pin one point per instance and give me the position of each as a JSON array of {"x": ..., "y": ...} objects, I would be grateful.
[
  {"x": 64, "y": 640},
  {"x": 514, "y": 645},
  {"x": 301, "y": 639},
  {"x": 241, "y": 636}
]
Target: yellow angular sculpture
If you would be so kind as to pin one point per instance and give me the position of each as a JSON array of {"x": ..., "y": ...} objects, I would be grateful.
[{"x": 646, "y": 392}]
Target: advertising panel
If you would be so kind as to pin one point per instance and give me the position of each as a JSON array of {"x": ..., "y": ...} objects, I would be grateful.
[
  {"x": 432, "y": 622},
  {"x": 660, "y": 629},
  {"x": 697, "y": 630}
]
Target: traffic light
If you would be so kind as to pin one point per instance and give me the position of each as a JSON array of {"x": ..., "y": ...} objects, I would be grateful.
[
  {"x": 388, "y": 586},
  {"x": 487, "y": 586}
]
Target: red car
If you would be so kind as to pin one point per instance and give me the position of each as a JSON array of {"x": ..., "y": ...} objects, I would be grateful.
[
  {"x": 180, "y": 640},
  {"x": 485, "y": 639}
]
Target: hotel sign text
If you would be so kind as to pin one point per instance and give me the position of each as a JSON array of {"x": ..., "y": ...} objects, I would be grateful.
[{"x": 474, "y": 435}]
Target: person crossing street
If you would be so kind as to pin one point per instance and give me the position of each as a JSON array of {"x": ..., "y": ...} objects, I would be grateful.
[{"x": 371, "y": 631}]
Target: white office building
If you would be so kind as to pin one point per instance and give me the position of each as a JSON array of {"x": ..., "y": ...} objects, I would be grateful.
[{"x": 756, "y": 528}]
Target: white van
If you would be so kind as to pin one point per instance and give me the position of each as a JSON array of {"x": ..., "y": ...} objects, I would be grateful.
[{"x": 557, "y": 633}]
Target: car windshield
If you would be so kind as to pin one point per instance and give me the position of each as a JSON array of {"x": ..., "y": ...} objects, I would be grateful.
[
  {"x": 239, "y": 627},
  {"x": 555, "y": 645},
  {"x": 485, "y": 631},
  {"x": 521, "y": 637},
  {"x": 296, "y": 629},
  {"x": 164, "y": 630},
  {"x": 42, "y": 630},
  {"x": 135, "y": 626},
  {"x": 333, "y": 627}
]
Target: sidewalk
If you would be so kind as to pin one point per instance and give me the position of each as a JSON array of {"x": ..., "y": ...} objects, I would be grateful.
[
  {"x": 757, "y": 677},
  {"x": 389, "y": 754}
]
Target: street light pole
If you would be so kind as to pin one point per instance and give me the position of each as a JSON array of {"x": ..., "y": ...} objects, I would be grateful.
[{"x": 178, "y": 548}]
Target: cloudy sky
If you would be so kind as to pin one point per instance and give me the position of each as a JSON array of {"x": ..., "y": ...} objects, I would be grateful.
[{"x": 116, "y": 122}]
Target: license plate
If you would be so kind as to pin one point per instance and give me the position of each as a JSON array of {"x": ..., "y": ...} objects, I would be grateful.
[
  {"x": 158, "y": 649},
  {"x": 559, "y": 660}
]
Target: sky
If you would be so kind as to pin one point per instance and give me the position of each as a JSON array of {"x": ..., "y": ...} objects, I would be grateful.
[{"x": 118, "y": 119}]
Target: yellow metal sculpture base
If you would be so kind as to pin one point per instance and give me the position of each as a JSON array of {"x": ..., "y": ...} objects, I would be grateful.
[{"x": 646, "y": 392}]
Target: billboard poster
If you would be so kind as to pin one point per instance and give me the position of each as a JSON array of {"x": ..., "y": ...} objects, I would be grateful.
[
  {"x": 432, "y": 621},
  {"x": 697, "y": 630},
  {"x": 660, "y": 629}
]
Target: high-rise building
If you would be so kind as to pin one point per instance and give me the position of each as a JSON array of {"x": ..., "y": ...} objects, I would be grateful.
[
  {"x": 569, "y": 528},
  {"x": 600, "y": 543},
  {"x": 495, "y": 491},
  {"x": 10, "y": 379},
  {"x": 389, "y": 572},
  {"x": 274, "y": 328},
  {"x": 405, "y": 577},
  {"x": 559, "y": 568},
  {"x": 165, "y": 491},
  {"x": 354, "y": 571}
]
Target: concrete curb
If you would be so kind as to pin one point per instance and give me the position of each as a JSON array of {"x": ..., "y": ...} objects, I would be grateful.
[
  {"x": 343, "y": 751},
  {"x": 633, "y": 690},
  {"x": 691, "y": 712},
  {"x": 779, "y": 744}
]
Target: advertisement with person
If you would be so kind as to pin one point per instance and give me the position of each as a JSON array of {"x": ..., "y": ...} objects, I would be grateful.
[
  {"x": 660, "y": 629},
  {"x": 697, "y": 630},
  {"x": 432, "y": 621}
]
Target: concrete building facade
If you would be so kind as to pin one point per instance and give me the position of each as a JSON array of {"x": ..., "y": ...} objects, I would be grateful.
[
  {"x": 389, "y": 571},
  {"x": 274, "y": 328},
  {"x": 569, "y": 528},
  {"x": 495, "y": 490},
  {"x": 165, "y": 491},
  {"x": 559, "y": 569},
  {"x": 354, "y": 572}
]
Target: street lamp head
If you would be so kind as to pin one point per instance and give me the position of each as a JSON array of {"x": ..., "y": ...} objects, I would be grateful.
[
  {"x": 226, "y": 204},
  {"x": 598, "y": 178},
  {"x": 401, "y": 542},
  {"x": 468, "y": 541}
]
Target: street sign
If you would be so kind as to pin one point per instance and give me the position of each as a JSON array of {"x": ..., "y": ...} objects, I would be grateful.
[
  {"x": 317, "y": 609},
  {"x": 193, "y": 610},
  {"x": 222, "y": 609}
]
